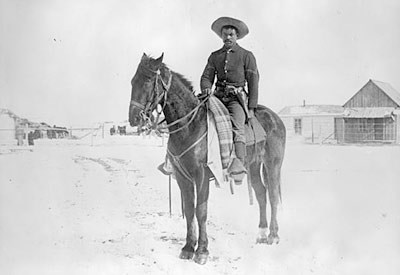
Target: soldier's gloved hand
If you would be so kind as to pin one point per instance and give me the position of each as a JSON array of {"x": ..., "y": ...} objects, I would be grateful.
[
  {"x": 205, "y": 93},
  {"x": 251, "y": 113}
]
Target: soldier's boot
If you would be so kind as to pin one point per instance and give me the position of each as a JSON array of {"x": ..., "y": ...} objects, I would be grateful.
[{"x": 237, "y": 170}]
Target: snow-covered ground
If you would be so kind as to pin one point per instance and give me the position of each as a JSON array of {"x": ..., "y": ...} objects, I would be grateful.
[{"x": 67, "y": 207}]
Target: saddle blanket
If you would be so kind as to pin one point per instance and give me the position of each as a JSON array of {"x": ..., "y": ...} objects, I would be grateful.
[
  {"x": 214, "y": 156},
  {"x": 220, "y": 138},
  {"x": 221, "y": 122}
]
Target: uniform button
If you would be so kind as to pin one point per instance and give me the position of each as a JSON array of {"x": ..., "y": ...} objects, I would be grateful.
[{"x": 226, "y": 61}]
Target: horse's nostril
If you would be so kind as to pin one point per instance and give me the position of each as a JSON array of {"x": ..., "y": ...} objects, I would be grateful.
[
  {"x": 135, "y": 120},
  {"x": 132, "y": 120}
]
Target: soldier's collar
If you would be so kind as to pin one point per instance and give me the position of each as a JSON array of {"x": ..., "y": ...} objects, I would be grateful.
[{"x": 233, "y": 49}]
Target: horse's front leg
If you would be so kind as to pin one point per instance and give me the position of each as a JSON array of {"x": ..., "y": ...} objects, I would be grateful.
[
  {"x": 187, "y": 190},
  {"x": 203, "y": 185}
]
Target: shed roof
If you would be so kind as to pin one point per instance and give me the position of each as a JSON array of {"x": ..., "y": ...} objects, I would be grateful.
[
  {"x": 375, "y": 112},
  {"x": 309, "y": 110},
  {"x": 389, "y": 90},
  {"x": 20, "y": 120},
  {"x": 8, "y": 112}
]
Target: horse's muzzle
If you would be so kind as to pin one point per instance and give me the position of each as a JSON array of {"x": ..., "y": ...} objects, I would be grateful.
[{"x": 134, "y": 116}]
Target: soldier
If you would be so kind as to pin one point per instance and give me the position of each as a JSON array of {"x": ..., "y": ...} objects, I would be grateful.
[
  {"x": 31, "y": 139},
  {"x": 233, "y": 67},
  {"x": 20, "y": 132}
]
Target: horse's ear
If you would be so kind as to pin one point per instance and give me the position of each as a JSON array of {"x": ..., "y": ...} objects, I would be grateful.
[
  {"x": 144, "y": 56},
  {"x": 159, "y": 60}
]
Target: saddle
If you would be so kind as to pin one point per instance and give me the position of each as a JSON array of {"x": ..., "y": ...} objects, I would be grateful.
[
  {"x": 220, "y": 140},
  {"x": 255, "y": 133}
]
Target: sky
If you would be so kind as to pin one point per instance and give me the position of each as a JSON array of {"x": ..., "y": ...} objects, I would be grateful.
[{"x": 70, "y": 63}]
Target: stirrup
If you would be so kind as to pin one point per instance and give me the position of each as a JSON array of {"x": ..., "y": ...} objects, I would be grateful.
[{"x": 163, "y": 168}]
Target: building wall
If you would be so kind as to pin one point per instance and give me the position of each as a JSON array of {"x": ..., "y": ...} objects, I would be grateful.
[
  {"x": 313, "y": 128},
  {"x": 339, "y": 129},
  {"x": 7, "y": 128},
  {"x": 397, "y": 118},
  {"x": 370, "y": 96}
]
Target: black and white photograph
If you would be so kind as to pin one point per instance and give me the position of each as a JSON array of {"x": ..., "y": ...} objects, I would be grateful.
[{"x": 199, "y": 137}]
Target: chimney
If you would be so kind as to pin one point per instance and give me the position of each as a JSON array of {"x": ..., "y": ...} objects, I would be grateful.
[{"x": 304, "y": 103}]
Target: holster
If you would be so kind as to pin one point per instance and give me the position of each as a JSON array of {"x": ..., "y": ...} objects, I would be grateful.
[{"x": 242, "y": 98}]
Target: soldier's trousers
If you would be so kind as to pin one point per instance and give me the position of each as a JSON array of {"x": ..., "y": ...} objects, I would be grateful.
[{"x": 238, "y": 117}]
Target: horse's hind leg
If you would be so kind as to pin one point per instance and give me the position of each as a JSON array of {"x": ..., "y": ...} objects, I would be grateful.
[
  {"x": 187, "y": 190},
  {"x": 261, "y": 195},
  {"x": 272, "y": 179},
  {"x": 201, "y": 255}
]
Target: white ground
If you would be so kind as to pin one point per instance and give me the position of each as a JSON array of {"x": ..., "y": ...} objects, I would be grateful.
[{"x": 70, "y": 208}]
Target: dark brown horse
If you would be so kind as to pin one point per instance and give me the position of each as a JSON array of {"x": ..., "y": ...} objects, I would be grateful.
[{"x": 155, "y": 85}]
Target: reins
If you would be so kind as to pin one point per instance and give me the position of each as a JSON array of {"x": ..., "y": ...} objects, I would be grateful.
[
  {"x": 176, "y": 159},
  {"x": 192, "y": 113}
]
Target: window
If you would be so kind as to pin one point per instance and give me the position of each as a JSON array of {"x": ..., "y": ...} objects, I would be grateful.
[{"x": 297, "y": 126}]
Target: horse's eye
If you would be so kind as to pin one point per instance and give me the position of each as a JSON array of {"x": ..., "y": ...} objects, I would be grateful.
[{"x": 148, "y": 85}]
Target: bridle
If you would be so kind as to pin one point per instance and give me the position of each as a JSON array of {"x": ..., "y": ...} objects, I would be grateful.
[{"x": 154, "y": 99}]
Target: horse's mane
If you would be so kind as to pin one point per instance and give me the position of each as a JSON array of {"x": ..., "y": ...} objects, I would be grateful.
[
  {"x": 146, "y": 63},
  {"x": 184, "y": 81}
]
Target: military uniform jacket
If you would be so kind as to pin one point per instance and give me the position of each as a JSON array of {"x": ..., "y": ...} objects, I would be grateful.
[{"x": 236, "y": 67}]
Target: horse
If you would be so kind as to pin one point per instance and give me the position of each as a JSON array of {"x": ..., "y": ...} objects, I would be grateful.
[{"x": 156, "y": 88}]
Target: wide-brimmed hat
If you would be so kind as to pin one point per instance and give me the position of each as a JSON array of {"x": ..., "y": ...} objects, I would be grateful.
[{"x": 221, "y": 22}]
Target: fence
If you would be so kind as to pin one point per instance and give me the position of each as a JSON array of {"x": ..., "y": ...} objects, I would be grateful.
[
  {"x": 100, "y": 133},
  {"x": 366, "y": 130},
  {"x": 343, "y": 130}
]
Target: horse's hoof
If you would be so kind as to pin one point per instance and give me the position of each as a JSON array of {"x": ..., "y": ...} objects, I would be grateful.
[
  {"x": 186, "y": 255},
  {"x": 272, "y": 239},
  {"x": 201, "y": 258},
  {"x": 262, "y": 240},
  {"x": 262, "y": 236}
]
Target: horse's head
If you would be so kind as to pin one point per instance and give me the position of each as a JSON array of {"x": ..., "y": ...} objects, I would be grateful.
[{"x": 144, "y": 84}]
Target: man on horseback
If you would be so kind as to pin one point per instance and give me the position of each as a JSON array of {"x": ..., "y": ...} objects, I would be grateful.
[
  {"x": 235, "y": 68},
  {"x": 154, "y": 84}
]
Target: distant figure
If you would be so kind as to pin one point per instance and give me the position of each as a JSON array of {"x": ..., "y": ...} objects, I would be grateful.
[
  {"x": 51, "y": 134},
  {"x": 122, "y": 130},
  {"x": 20, "y": 136},
  {"x": 30, "y": 139},
  {"x": 37, "y": 134},
  {"x": 112, "y": 130}
]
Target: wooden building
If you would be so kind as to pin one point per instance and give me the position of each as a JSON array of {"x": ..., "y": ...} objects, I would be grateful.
[
  {"x": 8, "y": 122},
  {"x": 13, "y": 127},
  {"x": 313, "y": 123},
  {"x": 370, "y": 115}
]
